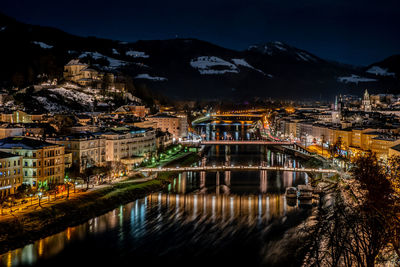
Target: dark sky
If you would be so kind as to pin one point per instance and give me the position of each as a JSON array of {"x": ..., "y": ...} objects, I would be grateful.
[{"x": 358, "y": 32}]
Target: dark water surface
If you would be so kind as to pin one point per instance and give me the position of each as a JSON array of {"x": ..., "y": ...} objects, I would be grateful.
[{"x": 202, "y": 219}]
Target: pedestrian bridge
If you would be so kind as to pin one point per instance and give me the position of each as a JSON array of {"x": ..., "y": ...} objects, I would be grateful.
[
  {"x": 237, "y": 168},
  {"x": 244, "y": 142}
]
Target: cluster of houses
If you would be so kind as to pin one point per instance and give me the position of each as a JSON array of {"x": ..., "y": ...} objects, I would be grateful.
[
  {"x": 36, "y": 149},
  {"x": 358, "y": 129}
]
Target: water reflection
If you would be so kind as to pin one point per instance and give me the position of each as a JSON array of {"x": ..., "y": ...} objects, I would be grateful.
[
  {"x": 201, "y": 217},
  {"x": 154, "y": 215}
]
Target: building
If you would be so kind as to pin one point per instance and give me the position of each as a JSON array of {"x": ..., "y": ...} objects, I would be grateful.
[
  {"x": 137, "y": 111},
  {"x": 8, "y": 130},
  {"x": 129, "y": 143},
  {"x": 366, "y": 102},
  {"x": 163, "y": 139},
  {"x": 10, "y": 173},
  {"x": 394, "y": 151},
  {"x": 382, "y": 144},
  {"x": 175, "y": 125},
  {"x": 42, "y": 162},
  {"x": 80, "y": 73},
  {"x": 87, "y": 149},
  {"x": 21, "y": 117}
]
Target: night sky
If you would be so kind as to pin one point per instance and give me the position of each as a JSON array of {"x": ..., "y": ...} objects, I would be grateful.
[{"x": 358, "y": 32}]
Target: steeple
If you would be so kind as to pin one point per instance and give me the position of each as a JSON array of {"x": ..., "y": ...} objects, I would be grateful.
[
  {"x": 366, "y": 102},
  {"x": 366, "y": 95}
]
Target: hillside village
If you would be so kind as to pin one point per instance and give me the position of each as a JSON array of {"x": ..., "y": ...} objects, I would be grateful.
[{"x": 88, "y": 120}]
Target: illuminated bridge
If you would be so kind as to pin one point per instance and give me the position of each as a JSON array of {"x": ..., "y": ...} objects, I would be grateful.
[
  {"x": 229, "y": 118},
  {"x": 244, "y": 142},
  {"x": 237, "y": 168}
]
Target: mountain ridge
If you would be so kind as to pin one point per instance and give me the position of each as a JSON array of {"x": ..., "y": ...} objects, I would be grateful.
[{"x": 188, "y": 68}]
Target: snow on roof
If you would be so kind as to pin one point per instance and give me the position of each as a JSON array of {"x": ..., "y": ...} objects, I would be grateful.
[
  {"x": 75, "y": 62},
  {"x": 43, "y": 45}
]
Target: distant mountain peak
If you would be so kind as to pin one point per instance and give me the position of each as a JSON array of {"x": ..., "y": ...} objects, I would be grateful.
[{"x": 277, "y": 48}]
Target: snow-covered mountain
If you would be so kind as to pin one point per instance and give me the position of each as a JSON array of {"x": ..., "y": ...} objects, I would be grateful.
[{"x": 188, "y": 68}]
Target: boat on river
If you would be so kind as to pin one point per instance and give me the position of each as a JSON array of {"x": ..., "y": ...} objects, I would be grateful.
[
  {"x": 291, "y": 192},
  {"x": 304, "y": 191}
]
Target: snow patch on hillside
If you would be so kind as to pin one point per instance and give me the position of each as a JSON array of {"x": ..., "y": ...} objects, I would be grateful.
[
  {"x": 43, "y": 45},
  {"x": 49, "y": 105},
  {"x": 380, "y": 71},
  {"x": 243, "y": 62},
  {"x": 113, "y": 63},
  {"x": 355, "y": 79},
  {"x": 207, "y": 64},
  {"x": 148, "y": 77},
  {"x": 73, "y": 95},
  {"x": 115, "y": 52},
  {"x": 305, "y": 57},
  {"x": 280, "y": 46},
  {"x": 3, "y": 28},
  {"x": 136, "y": 54}
]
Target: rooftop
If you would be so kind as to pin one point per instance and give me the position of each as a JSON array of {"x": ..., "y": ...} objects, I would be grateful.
[
  {"x": 23, "y": 142},
  {"x": 4, "y": 155},
  {"x": 397, "y": 147}
]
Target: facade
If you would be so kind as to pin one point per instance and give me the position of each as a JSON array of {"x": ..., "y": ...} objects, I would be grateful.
[
  {"x": 10, "y": 173},
  {"x": 366, "y": 102},
  {"x": 42, "y": 162},
  {"x": 80, "y": 73},
  {"x": 137, "y": 111},
  {"x": 8, "y": 130},
  {"x": 21, "y": 117},
  {"x": 125, "y": 143},
  {"x": 175, "y": 125},
  {"x": 163, "y": 139},
  {"x": 87, "y": 149}
]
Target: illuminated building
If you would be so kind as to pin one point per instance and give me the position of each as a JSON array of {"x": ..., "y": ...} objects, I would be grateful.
[
  {"x": 10, "y": 173},
  {"x": 42, "y": 162}
]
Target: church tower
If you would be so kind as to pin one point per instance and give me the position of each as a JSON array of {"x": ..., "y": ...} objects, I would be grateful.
[
  {"x": 336, "y": 114},
  {"x": 366, "y": 102}
]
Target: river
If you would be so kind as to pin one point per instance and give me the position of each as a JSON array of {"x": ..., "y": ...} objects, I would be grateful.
[{"x": 229, "y": 218}]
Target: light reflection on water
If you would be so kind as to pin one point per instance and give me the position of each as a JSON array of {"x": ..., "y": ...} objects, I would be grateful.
[
  {"x": 201, "y": 218},
  {"x": 134, "y": 226}
]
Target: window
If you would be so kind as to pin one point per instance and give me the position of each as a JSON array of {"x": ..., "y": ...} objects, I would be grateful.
[
  {"x": 15, "y": 163},
  {"x": 34, "y": 155},
  {"x": 26, "y": 164},
  {"x": 34, "y": 164},
  {"x": 26, "y": 173}
]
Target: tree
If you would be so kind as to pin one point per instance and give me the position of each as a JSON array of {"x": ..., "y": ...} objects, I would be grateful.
[{"x": 362, "y": 226}]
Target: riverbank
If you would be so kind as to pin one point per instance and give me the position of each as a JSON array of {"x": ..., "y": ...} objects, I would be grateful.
[{"x": 24, "y": 229}]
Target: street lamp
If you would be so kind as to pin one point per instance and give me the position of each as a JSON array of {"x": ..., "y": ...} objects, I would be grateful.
[{"x": 40, "y": 197}]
